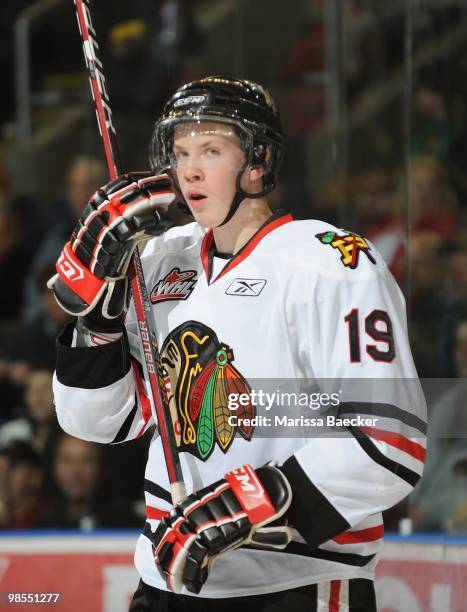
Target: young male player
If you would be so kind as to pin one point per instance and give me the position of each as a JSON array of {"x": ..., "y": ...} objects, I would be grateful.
[{"x": 242, "y": 295}]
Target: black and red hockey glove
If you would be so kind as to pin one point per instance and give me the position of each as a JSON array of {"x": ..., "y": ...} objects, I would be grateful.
[
  {"x": 232, "y": 512},
  {"x": 92, "y": 268}
]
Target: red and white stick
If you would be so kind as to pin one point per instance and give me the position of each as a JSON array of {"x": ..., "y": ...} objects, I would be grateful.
[{"x": 144, "y": 313}]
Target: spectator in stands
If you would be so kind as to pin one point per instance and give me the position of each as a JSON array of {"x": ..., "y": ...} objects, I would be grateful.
[
  {"x": 439, "y": 502},
  {"x": 21, "y": 478},
  {"x": 84, "y": 176},
  {"x": 37, "y": 425},
  {"x": 433, "y": 203},
  {"x": 380, "y": 211},
  {"x": 147, "y": 43},
  {"x": 431, "y": 308},
  {"x": 32, "y": 344},
  {"x": 15, "y": 259},
  {"x": 373, "y": 205},
  {"x": 455, "y": 264},
  {"x": 82, "y": 501},
  {"x": 432, "y": 130}
]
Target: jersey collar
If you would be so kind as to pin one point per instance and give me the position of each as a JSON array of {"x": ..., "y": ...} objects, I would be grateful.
[{"x": 208, "y": 245}]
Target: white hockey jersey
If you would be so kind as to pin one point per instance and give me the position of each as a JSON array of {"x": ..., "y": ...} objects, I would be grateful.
[{"x": 303, "y": 310}]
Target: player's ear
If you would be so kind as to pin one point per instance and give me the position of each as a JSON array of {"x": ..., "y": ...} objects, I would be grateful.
[
  {"x": 255, "y": 173},
  {"x": 261, "y": 157}
]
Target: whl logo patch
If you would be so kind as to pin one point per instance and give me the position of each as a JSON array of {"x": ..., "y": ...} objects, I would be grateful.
[
  {"x": 246, "y": 286},
  {"x": 177, "y": 285}
]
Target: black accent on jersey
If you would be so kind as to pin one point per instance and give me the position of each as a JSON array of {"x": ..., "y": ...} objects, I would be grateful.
[
  {"x": 125, "y": 428},
  {"x": 314, "y": 517},
  {"x": 354, "y": 336},
  {"x": 222, "y": 255},
  {"x": 154, "y": 489},
  {"x": 362, "y": 595},
  {"x": 387, "y": 337},
  {"x": 384, "y": 410},
  {"x": 297, "y": 548},
  {"x": 374, "y": 453},
  {"x": 147, "y": 531},
  {"x": 91, "y": 367}
]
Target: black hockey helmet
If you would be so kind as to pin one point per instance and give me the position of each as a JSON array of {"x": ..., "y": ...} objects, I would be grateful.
[{"x": 245, "y": 105}]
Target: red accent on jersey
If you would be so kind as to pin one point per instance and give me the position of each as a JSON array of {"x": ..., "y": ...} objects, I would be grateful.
[
  {"x": 246, "y": 250},
  {"x": 143, "y": 398},
  {"x": 175, "y": 275},
  {"x": 334, "y": 596},
  {"x": 394, "y": 439},
  {"x": 74, "y": 274},
  {"x": 358, "y": 537},
  {"x": 251, "y": 494}
]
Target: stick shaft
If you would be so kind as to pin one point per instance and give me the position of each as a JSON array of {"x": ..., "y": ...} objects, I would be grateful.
[{"x": 144, "y": 314}]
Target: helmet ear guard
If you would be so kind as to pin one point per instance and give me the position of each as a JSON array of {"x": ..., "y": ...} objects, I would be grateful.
[{"x": 246, "y": 106}]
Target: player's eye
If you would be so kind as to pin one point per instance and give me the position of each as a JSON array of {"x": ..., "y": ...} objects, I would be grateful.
[
  {"x": 180, "y": 156},
  {"x": 212, "y": 152}
]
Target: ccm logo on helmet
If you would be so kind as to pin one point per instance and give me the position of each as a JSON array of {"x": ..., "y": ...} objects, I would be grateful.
[
  {"x": 248, "y": 481},
  {"x": 69, "y": 269},
  {"x": 190, "y": 100}
]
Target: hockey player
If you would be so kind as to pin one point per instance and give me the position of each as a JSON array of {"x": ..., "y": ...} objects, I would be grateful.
[{"x": 241, "y": 295}]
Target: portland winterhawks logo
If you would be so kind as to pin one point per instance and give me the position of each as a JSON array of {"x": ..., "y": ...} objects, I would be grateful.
[
  {"x": 349, "y": 245},
  {"x": 198, "y": 378},
  {"x": 177, "y": 285}
]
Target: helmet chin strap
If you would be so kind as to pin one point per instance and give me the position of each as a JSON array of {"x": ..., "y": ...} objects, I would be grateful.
[{"x": 241, "y": 195}]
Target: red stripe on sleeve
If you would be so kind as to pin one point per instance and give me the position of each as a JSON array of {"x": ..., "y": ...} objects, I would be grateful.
[
  {"x": 398, "y": 441},
  {"x": 358, "y": 537}
]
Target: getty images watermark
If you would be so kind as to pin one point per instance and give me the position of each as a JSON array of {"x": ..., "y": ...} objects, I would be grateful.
[{"x": 280, "y": 399}]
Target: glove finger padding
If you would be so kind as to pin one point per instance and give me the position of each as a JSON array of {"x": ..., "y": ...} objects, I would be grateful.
[
  {"x": 219, "y": 518},
  {"x": 120, "y": 216}
]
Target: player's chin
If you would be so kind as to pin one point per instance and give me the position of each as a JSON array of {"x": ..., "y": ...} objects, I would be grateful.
[{"x": 206, "y": 218}]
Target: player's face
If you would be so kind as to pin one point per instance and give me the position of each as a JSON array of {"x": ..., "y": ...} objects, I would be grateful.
[
  {"x": 77, "y": 468},
  {"x": 208, "y": 159}
]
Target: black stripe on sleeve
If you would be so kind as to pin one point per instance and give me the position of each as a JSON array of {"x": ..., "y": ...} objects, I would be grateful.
[
  {"x": 91, "y": 367},
  {"x": 125, "y": 428},
  {"x": 314, "y": 517},
  {"x": 303, "y": 550},
  {"x": 378, "y": 457},
  {"x": 154, "y": 489},
  {"x": 384, "y": 410},
  {"x": 297, "y": 548}
]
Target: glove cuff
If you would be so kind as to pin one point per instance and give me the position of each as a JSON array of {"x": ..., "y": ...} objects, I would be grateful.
[{"x": 265, "y": 494}]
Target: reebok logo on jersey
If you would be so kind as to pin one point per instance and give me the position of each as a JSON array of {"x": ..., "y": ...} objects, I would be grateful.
[
  {"x": 246, "y": 286},
  {"x": 350, "y": 245},
  {"x": 177, "y": 285}
]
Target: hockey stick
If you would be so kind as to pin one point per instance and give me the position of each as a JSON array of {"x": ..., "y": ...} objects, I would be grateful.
[{"x": 145, "y": 317}]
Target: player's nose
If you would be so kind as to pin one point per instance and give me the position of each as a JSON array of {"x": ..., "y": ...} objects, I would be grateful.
[{"x": 192, "y": 171}]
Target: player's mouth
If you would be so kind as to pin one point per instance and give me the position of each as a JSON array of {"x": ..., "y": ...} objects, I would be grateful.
[{"x": 195, "y": 198}]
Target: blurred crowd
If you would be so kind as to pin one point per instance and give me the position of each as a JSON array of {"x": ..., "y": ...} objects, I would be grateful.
[
  {"x": 408, "y": 198},
  {"x": 47, "y": 478}
]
